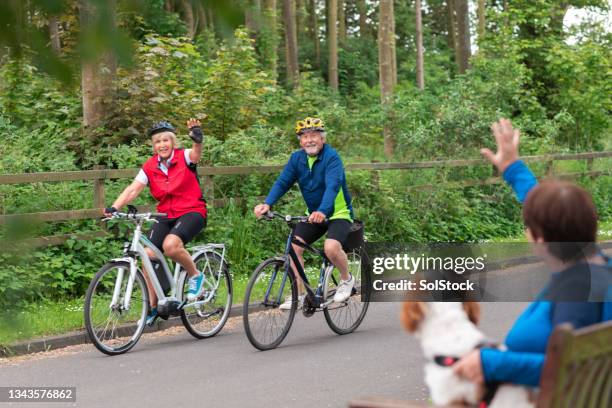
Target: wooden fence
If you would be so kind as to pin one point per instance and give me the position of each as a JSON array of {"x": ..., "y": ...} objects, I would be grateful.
[{"x": 99, "y": 175}]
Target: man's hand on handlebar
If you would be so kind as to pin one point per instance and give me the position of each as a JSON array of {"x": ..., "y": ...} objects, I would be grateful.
[
  {"x": 317, "y": 217},
  {"x": 261, "y": 209}
]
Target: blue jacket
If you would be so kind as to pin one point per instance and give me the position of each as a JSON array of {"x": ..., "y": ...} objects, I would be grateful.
[
  {"x": 319, "y": 185},
  {"x": 522, "y": 363}
]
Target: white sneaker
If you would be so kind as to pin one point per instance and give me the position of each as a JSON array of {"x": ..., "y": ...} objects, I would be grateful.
[
  {"x": 344, "y": 290},
  {"x": 287, "y": 304}
]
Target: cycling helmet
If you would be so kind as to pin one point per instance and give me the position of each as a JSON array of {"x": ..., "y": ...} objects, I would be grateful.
[
  {"x": 309, "y": 124},
  {"x": 162, "y": 126}
]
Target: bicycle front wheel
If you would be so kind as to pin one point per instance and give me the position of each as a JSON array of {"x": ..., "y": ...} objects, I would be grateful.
[
  {"x": 207, "y": 315},
  {"x": 266, "y": 324},
  {"x": 115, "y": 327},
  {"x": 345, "y": 317}
]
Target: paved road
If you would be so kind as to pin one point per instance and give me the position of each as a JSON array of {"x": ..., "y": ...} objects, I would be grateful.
[{"x": 312, "y": 368}]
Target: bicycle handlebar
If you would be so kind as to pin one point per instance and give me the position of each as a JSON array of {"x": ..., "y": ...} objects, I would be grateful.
[
  {"x": 135, "y": 216},
  {"x": 288, "y": 218}
]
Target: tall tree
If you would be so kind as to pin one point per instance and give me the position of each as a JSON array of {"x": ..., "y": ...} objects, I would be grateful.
[
  {"x": 314, "y": 31},
  {"x": 341, "y": 22},
  {"x": 420, "y": 75},
  {"x": 187, "y": 14},
  {"x": 54, "y": 33},
  {"x": 202, "y": 20},
  {"x": 363, "y": 15},
  {"x": 252, "y": 16},
  {"x": 269, "y": 39},
  {"x": 96, "y": 73},
  {"x": 452, "y": 29},
  {"x": 300, "y": 17},
  {"x": 291, "y": 45},
  {"x": 463, "y": 34},
  {"x": 386, "y": 44},
  {"x": 332, "y": 43},
  {"x": 481, "y": 19}
]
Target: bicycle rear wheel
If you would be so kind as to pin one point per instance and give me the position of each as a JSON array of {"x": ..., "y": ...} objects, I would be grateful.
[
  {"x": 265, "y": 323},
  {"x": 207, "y": 319},
  {"x": 113, "y": 328},
  {"x": 345, "y": 317}
]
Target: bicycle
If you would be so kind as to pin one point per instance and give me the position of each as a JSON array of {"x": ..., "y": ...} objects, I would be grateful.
[
  {"x": 266, "y": 325},
  {"x": 117, "y": 301}
]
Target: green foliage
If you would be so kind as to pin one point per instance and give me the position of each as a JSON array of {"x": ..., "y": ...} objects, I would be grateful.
[
  {"x": 234, "y": 88},
  {"x": 164, "y": 84},
  {"x": 582, "y": 72}
]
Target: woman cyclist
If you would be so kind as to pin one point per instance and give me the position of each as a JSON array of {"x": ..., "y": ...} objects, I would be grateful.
[{"x": 172, "y": 179}]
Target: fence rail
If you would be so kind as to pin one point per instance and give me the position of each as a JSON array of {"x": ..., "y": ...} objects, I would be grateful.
[{"x": 99, "y": 175}]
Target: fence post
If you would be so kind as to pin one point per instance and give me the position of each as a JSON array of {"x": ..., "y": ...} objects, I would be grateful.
[
  {"x": 209, "y": 190},
  {"x": 98, "y": 198},
  {"x": 550, "y": 168},
  {"x": 375, "y": 177},
  {"x": 590, "y": 167}
]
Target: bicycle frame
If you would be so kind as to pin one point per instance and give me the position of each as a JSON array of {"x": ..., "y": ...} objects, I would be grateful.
[
  {"x": 137, "y": 249},
  {"x": 290, "y": 254}
]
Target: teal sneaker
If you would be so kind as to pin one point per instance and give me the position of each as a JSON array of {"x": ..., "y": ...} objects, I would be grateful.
[
  {"x": 195, "y": 286},
  {"x": 151, "y": 317}
]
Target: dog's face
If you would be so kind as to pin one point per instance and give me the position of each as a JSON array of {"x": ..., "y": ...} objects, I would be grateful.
[{"x": 414, "y": 313}]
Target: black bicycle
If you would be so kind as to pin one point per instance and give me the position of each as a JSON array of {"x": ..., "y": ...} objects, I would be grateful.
[{"x": 266, "y": 323}]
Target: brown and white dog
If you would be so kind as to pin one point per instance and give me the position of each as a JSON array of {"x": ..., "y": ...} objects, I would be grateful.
[{"x": 447, "y": 331}]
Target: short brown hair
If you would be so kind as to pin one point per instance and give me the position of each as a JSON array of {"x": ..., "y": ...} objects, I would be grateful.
[{"x": 559, "y": 211}]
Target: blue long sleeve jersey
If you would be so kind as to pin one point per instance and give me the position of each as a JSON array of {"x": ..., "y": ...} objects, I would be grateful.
[
  {"x": 323, "y": 186},
  {"x": 526, "y": 342}
]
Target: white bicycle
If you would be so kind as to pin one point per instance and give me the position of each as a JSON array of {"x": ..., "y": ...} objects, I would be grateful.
[{"x": 117, "y": 301}]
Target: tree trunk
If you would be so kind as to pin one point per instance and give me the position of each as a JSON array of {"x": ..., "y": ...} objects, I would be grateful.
[
  {"x": 363, "y": 15},
  {"x": 269, "y": 39},
  {"x": 202, "y": 23},
  {"x": 300, "y": 16},
  {"x": 187, "y": 12},
  {"x": 332, "y": 41},
  {"x": 96, "y": 75},
  {"x": 452, "y": 29},
  {"x": 420, "y": 74},
  {"x": 393, "y": 48},
  {"x": 463, "y": 34},
  {"x": 386, "y": 43},
  {"x": 481, "y": 19},
  {"x": 341, "y": 22},
  {"x": 210, "y": 19},
  {"x": 314, "y": 31},
  {"x": 293, "y": 71},
  {"x": 252, "y": 16},
  {"x": 169, "y": 5},
  {"x": 54, "y": 34}
]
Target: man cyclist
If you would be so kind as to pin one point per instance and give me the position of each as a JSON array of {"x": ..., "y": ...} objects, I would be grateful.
[
  {"x": 320, "y": 174},
  {"x": 172, "y": 178}
]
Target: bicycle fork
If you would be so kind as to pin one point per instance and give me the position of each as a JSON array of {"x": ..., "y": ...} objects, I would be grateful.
[{"x": 115, "y": 301}]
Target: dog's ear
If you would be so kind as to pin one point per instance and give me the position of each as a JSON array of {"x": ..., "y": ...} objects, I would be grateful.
[
  {"x": 412, "y": 314},
  {"x": 472, "y": 309}
]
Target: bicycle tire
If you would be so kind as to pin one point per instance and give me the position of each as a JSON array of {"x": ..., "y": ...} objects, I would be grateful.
[
  {"x": 96, "y": 307},
  {"x": 207, "y": 320},
  {"x": 345, "y": 318},
  {"x": 259, "y": 315}
]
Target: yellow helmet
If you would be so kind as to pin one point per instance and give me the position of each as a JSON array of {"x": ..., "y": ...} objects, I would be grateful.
[{"x": 309, "y": 124}]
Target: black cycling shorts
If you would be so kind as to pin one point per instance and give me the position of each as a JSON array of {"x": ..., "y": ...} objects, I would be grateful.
[
  {"x": 185, "y": 227},
  {"x": 336, "y": 229}
]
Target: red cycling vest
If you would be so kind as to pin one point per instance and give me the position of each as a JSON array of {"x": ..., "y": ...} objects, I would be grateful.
[{"x": 178, "y": 193}]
